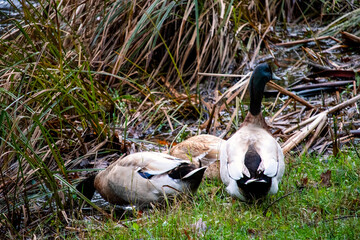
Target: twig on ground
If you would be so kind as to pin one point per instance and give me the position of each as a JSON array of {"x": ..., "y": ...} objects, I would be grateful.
[{"x": 282, "y": 197}]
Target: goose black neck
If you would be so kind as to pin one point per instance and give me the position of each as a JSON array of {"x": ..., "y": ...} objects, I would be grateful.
[{"x": 256, "y": 95}]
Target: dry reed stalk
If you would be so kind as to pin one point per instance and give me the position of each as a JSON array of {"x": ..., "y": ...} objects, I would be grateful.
[
  {"x": 256, "y": 52},
  {"x": 275, "y": 102},
  {"x": 302, "y": 123},
  {"x": 281, "y": 109},
  {"x": 136, "y": 114},
  {"x": 337, "y": 25},
  {"x": 220, "y": 75},
  {"x": 168, "y": 119},
  {"x": 241, "y": 85},
  {"x": 343, "y": 104},
  {"x": 313, "y": 123},
  {"x": 189, "y": 7},
  {"x": 301, "y": 134},
  {"x": 318, "y": 130},
  {"x": 267, "y": 10},
  {"x": 324, "y": 146},
  {"x": 216, "y": 123},
  {"x": 228, "y": 126},
  {"x": 296, "y": 112}
]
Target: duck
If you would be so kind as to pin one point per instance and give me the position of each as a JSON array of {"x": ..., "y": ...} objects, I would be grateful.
[
  {"x": 143, "y": 178},
  {"x": 252, "y": 161},
  {"x": 201, "y": 150}
]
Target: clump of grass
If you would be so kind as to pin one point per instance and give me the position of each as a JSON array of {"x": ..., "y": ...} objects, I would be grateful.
[
  {"x": 76, "y": 77},
  {"x": 347, "y": 22}
]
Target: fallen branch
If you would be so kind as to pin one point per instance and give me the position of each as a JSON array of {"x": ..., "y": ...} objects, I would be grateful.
[
  {"x": 343, "y": 104},
  {"x": 334, "y": 73},
  {"x": 220, "y": 75},
  {"x": 354, "y": 133},
  {"x": 315, "y": 91},
  {"x": 290, "y": 94},
  {"x": 297, "y": 42},
  {"x": 351, "y": 39},
  {"x": 318, "y": 85}
]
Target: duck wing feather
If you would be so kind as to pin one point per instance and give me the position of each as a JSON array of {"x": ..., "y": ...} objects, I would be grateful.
[{"x": 151, "y": 162}]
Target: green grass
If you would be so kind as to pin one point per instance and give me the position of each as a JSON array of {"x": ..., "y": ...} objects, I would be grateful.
[{"x": 309, "y": 209}]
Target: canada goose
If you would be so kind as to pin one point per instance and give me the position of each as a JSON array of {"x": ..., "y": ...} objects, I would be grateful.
[
  {"x": 252, "y": 162},
  {"x": 202, "y": 150},
  {"x": 143, "y": 178}
]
